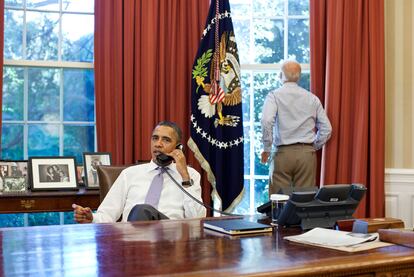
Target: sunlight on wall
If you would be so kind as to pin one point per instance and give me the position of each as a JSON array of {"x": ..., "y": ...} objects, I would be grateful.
[{"x": 399, "y": 84}]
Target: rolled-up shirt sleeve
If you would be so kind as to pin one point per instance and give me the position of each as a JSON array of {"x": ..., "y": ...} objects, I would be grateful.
[
  {"x": 268, "y": 121},
  {"x": 192, "y": 209},
  {"x": 113, "y": 204},
  {"x": 323, "y": 126}
]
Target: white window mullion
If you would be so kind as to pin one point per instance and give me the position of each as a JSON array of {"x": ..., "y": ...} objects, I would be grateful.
[
  {"x": 252, "y": 142},
  {"x": 61, "y": 113},
  {"x": 60, "y": 32},
  {"x": 25, "y": 112},
  {"x": 286, "y": 30},
  {"x": 24, "y": 40},
  {"x": 251, "y": 121}
]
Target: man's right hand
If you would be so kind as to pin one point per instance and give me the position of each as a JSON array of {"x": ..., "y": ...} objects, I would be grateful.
[
  {"x": 81, "y": 214},
  {"x": 265, "y": 157}
]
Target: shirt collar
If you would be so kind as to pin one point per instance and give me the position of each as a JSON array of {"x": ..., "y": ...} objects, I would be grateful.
[
  {"x": 290, "y": 84},
  {"x": 153, "y": 166}
]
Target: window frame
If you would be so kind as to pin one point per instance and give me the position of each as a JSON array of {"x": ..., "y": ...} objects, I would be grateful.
[
  {"x": 251, "y": 69},
  {"x": 58, "y": 64}
]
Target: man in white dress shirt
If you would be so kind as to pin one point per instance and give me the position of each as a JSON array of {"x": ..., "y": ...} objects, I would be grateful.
[
  {"x": 129, "y": 191},
  {"x": 295, "y": 123}
]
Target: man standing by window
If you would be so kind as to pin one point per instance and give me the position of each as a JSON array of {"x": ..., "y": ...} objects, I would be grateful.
[{"x": 295, "y": 122}]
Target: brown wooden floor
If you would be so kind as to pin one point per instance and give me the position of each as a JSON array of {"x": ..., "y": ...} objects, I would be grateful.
[{"x": 181, "y": 248}]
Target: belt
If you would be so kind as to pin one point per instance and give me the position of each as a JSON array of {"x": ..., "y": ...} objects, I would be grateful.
[{"x": 297, "y": 144}]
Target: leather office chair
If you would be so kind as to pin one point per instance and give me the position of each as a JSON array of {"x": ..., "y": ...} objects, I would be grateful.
[{"x": 107, "y": 175}]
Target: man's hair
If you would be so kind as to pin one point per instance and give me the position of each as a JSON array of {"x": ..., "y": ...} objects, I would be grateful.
[
  {"x": 174, "y": 126},
  {"x": 288, "y": 72}
]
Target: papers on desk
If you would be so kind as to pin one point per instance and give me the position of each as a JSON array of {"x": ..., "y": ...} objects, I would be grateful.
[{"x": 339, "y": 240}]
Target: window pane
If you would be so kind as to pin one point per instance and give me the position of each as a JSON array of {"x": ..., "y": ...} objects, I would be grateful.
[
  {"x": 263, "y": 83},
  {"x": 49, "y": 5},
  {"x": 12, "y": 141},
  {"x": 42, "y": 35},
  {"x": 78, "y": 139},
  {"x": 77, "y": 32},
  {"x": 244, "y": 206},
  {"x": 246, "y": 149},
  {"x": 13, "y": 3},
  {"x": 242, "y": 33},
  {"x": 259, "y": 168},
  {"x": 13, "y": 34},
  {"x": 298, "y": 41},
  {"x": 78, "y": 5},
  {"x": 44, "y": 94},
  {"x": 36, "y": 219},
  {"x": 68, "y": 218},
  {"x": 11, "y": 220},
  {"x": 268, "y": 8},
  {"x": 13, "y": 81},
  {"x": 79, "y": 98},
  {"x": 43, "y": 140},
  {"x": 304, "y": 80},
  {"x": 299, "y": 7},
  {"x": 240, "y": 9},
  {"x": 268, "y": 40},
  {"x": 261, "y": 189}
]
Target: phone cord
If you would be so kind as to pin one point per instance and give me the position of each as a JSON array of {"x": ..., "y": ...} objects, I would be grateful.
[{"x": 195, "y": 199}]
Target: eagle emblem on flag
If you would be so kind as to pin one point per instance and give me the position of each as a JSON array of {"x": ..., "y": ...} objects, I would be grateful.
[{"x": 227, "y": 92}]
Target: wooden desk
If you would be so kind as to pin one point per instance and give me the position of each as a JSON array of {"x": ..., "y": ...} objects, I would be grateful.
[
  {"x": 181, "y": 248},
  {"x": 47, "y": 201}
]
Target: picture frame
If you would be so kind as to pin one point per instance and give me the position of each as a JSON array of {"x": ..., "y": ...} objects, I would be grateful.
[
  {"x": 91, "y": 160},
  {"x": 53, "y": 173},
  {"x": 80, "y": 175},
  {"x": 14, "y": 176}
]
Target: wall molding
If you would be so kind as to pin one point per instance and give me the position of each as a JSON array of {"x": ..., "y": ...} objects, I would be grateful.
[
  {"x": 399, "y": 194},
  {"x": 399, "y": 175}
]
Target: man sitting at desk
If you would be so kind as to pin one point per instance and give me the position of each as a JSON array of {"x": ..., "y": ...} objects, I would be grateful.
[{"x": 146, "y": 192}]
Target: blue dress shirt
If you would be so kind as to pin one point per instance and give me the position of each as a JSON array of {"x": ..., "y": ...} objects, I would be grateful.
[{"x": 291, "y": 115}]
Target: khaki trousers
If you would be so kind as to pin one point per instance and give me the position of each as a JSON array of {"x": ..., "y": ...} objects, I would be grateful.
[{"x": 293, "y": 168}]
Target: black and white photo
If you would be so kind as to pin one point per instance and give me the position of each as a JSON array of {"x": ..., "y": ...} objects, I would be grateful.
[
  {"x": 14, "y": 184},
  {"x": 53, "y": 173},
  {"x": 91, "y": 161},
  {"x": 14, "y": 169}
]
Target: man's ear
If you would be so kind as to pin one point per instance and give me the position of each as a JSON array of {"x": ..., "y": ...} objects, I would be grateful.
[{"x": 282, "y": 76}]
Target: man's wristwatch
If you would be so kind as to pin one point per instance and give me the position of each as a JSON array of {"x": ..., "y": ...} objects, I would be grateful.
[{"x": 187, "y": 183}]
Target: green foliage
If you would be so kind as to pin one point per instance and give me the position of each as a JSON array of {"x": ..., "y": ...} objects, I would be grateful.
[
  {"x": 12, "y": 141},
  {"x": 200, "y": 68}
]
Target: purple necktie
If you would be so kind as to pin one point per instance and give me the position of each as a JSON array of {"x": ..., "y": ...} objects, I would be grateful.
[{"x": 154, "y": 192}]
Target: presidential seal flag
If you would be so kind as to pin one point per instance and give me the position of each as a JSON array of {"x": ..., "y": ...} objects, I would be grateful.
[{"x": 216, "y": 108}]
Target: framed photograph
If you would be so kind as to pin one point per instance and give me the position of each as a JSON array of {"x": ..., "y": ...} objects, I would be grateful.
[
  {"x": 91, "y": 161},
  {"x": 16, "y": 175},
  {"x": 80, "y": 175},
  {"x": 53, "y": 173},
  {"x": 14, "y": 184}
]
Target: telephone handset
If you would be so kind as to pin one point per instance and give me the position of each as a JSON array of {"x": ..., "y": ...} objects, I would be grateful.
[{"x": 164, "y": 160}]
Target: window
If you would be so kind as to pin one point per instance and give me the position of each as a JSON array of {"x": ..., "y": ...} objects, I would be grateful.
[
  {"x": 48, "y": 86},
  {"x": 48, "y": 79},
  {"x": 267, "y": 32}
]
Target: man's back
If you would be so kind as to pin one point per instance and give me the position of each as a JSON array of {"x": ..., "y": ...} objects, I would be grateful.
[{"x": 294, "y": 113}]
